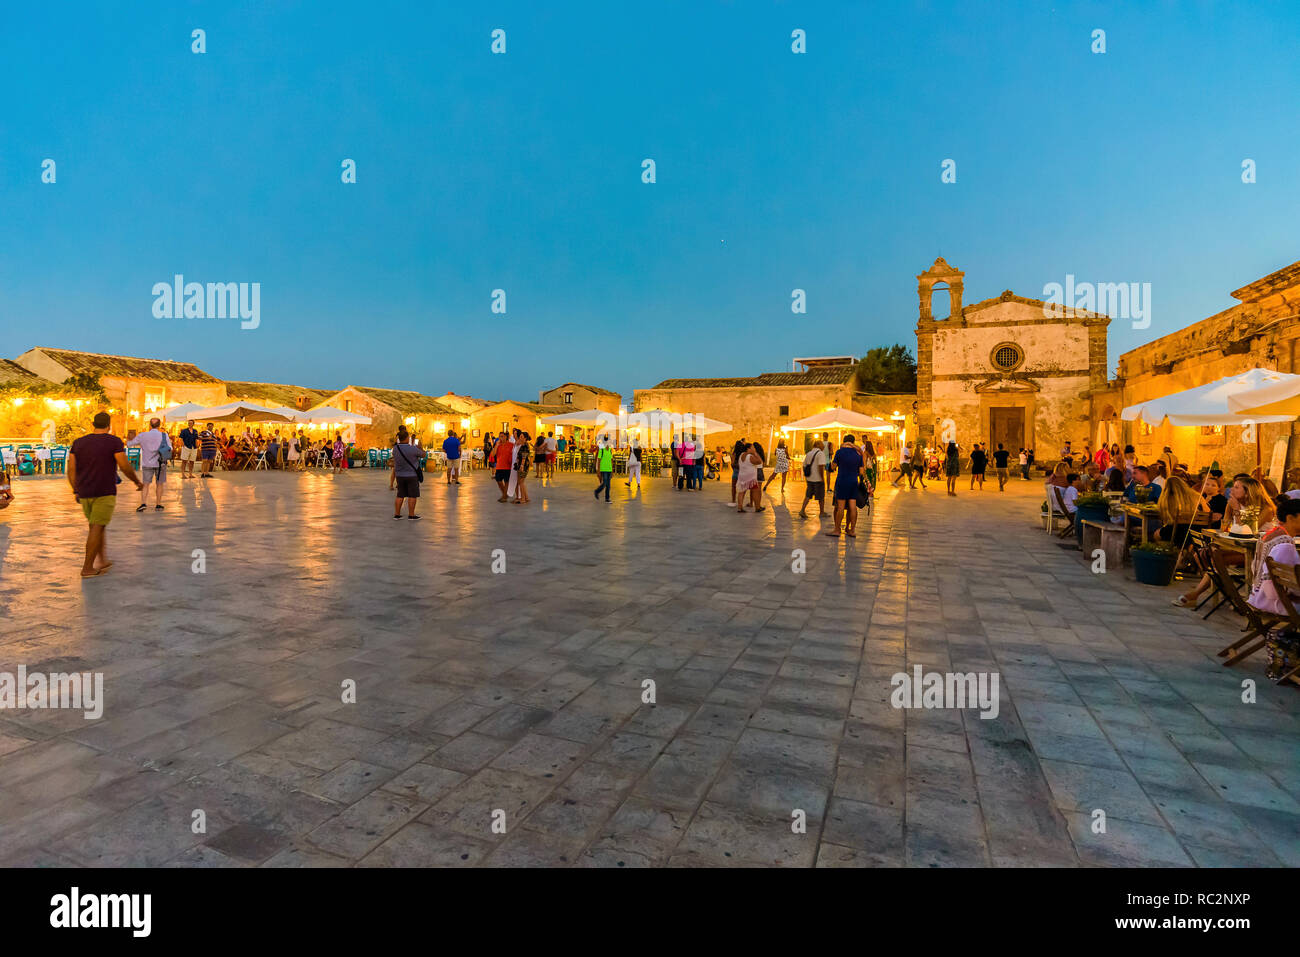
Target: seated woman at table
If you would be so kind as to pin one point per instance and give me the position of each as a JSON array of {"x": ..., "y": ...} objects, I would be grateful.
[
  {"x": 1278, "y": 544},
  {"x": 1215, "y": 500},
  {"x": 1178, "y": 507},
  {"x": 1245, "y": 493},
  {"x": 1059, "y": 476}
]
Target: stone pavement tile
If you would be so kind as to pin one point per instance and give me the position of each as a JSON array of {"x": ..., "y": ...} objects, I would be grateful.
[
  {"x": 596, "y": 783},
  {"x": 721, "y": 721},
  {"x": 422, "y": 845},
  {"x": 810, "y": 697},
  {"x": 248, "y": 844},
  {"x": 527, "y": 848},
  {"x": 624, "y": 853},
  {"x": 879, "y": 779},
  {"x": 1247, "y": 786},
  {"x": 1224, "y": 856},
  {"x": 148, "y": 834},
  {"x": 453, "y": 719},
  {"x": 323, "y": 744},
  {"x": 1026, "y": 828},
  {"x": 629, "y": 750},
  {"x": 682, "y": 774},
  {"x": 728, "y": 836},
  {"x": 512, "y": 722},
  {"x": 399, "y": 752},
  {"x": 928, "y": 846},
  {"x": 41, "y": 758},
  {"x": 304, "y": 855},
  {"x": 639, "y": 820},
  {"x": 424, "y": 782},
  {"x": 349, "y": 782},
  {"x": 875, "y": 832},
  {"x": 766, "y": 788},
  {"x": 470, "y": 808},
  {"x": 1078, "y": 787},
  {"x": 540, "y": 755},
  {"x": 469, "y": 752},
  {"x": 1268, "y": 746},
  {"x": 1125, "y": 843},
  {"x": 569, "y": 817},
  {"x": 42, "y": 823},
  {"x": 365, "y": 825},
  {"x": 1094, "y": 752},
  {"x": 805, "y": 725},
  {"x": 579, "y": 726},
  {"x": 281, "y": 770},
  {"x": 1276, "y": 830},
  {"x": 1211, "y": 748},
  {"x": 1203, "y": 818},
  {"x": 204, "y": 855}
]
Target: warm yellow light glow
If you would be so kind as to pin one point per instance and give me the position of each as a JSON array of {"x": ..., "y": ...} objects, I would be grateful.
[
  {"x": 439, "y": 427},
  {"x": 19, "y": 401},
  {"x": 464, "y": 423},
  {"x": 895, "y": 413},
  {"x": 559, "y": 430},
  {"x": 409, "y": 420}
]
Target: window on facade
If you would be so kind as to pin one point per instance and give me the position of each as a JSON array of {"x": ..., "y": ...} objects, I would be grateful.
[
  {"x": 154, "y": 400},
  {"x": 785, "y": 410},
  {"x": 1146, "y": 429},
  {"x": 568, "y": 398},
  {"x": 1007, "y": 356},
  {"x": 347, "y": 405},
  {"x": 1211, "y": 430}
]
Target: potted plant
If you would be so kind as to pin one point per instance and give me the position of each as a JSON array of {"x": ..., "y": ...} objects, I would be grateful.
[
  {"x": 1092, "y": 507},
  {"x": 1153, "y": 562}
]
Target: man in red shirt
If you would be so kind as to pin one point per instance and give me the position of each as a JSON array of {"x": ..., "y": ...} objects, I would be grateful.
[
  {"x": 503, "y": 455},
  {"x": 93, "y": 462}
]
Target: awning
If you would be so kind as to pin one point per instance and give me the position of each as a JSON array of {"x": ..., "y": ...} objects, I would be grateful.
[
  {"x": 1211, "y": 404},
  {"x": 237, "y": 412},
  {"x": 329, "y": 414},
  {"x": 839, "y": 420}
]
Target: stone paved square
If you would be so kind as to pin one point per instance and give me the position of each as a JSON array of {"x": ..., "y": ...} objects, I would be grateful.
[{"x": 517, "y": 698}]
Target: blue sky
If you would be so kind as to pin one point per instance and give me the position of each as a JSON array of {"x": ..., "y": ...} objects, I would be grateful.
[{"x": 522, "y": 171}]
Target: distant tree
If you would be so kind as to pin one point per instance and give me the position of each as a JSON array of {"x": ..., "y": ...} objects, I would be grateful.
[{"x": 888, "y": 370}]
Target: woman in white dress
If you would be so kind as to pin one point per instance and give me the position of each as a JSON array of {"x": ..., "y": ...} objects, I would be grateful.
[
  {"x": 747, "y": 479},
  {"x": 294, "y": 453},
  {"x": 781, "y": 467}
]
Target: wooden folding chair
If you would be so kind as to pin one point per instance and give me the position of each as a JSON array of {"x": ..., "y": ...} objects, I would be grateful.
[
  {"x": 1065, "y": 513},
  {"x": 1257, "y": 622},
  {"x": 1287, "y": 583}
]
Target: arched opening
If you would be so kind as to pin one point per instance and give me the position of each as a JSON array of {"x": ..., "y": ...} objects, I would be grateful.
[{"x": 940, "y": 301}]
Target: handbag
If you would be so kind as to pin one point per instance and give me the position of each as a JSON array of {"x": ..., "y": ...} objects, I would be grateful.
[
  {"x": 808, "y": 461},
  {"x": 419, "y": 469},
  {"x": 864, "y": 496}
]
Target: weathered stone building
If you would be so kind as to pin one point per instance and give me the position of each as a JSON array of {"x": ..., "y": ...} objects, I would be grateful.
[
  {"x": 1260, "y": 331},
  {"x": 1010, "y": 370},
  {"x": 756, "y": 407},
  {"x": 576, "y": 397}
]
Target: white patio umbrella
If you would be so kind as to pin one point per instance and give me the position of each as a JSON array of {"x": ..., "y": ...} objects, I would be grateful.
[
  {"x": 839, "y": 420},
  {"x": 327, "y": 413},
  {"x": 182, "y": 412},
  {"x": 238, "y": 412},
  {"x": 1209, "y": 404},
  {"x": 669, "y": 421},
  {"x": 1277, "y": 394},
  {"x": 588, "y": 418}
]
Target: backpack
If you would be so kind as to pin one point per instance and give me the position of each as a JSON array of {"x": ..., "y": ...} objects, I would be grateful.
[
  {"x": 808, "y": 462},
  {"x": 164, "y": 451}
]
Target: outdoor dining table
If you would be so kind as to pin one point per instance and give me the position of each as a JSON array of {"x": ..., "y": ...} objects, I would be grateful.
[
  {"x": 1243, "y": 544},
  {"x": 1144, "y": 518}
]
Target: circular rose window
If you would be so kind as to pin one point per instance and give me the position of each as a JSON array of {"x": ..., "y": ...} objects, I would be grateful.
[{"x": 1007, "y": 357}]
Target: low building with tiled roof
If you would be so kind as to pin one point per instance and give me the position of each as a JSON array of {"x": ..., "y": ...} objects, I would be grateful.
[
  {"x": 275, "y": 394},
  {"x": 464, "y": 404},
  {"x": 135, "y": 386},
  {"x": 12, "y": 374},
  {"x": 513, "y": 414},
  {"x": 576, "y": 397},
  {"x": 426, "y": 418}
]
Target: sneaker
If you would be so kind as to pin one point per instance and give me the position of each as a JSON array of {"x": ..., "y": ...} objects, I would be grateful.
[
  {"x": 141, "y": 508},
  {"x": 157, "y": 508},
  {"x": 414, "y": 518}
]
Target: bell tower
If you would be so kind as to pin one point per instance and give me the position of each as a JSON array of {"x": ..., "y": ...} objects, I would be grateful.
[{"x": 939, "y": 273}]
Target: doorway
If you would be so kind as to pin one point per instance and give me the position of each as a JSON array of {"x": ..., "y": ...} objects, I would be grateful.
[{"x": 1007, "y": 425}]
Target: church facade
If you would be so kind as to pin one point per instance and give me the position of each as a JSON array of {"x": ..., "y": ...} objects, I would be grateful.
[{"x": 1010, "y": 370}]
